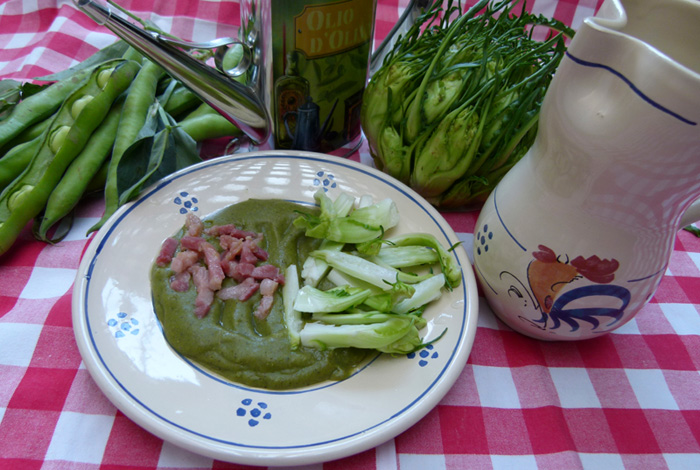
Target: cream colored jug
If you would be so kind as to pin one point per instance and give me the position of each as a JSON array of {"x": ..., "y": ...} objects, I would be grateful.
[{"x": 575, "y": 239}]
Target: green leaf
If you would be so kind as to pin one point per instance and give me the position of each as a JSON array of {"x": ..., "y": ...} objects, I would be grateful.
[
  {"x": 12, "y": 92},
  {"x": 161, "y": 148}
]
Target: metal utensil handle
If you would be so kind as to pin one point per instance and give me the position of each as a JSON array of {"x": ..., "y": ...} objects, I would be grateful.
[{"x": 236, "y": 102}]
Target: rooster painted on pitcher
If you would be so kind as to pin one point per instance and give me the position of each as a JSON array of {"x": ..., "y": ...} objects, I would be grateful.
[
  {"x": 552, "y": 293},
  {"x": 577, "y": 236}
]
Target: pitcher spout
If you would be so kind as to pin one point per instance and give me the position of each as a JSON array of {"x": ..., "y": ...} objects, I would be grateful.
[{"x": 238, "y": 103}]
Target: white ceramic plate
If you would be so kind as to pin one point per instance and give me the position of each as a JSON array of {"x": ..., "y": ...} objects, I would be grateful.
[{"x": 124, "y": 349}]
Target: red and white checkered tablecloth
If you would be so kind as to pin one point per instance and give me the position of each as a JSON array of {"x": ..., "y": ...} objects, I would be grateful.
[{"x": 630, "y": 399}]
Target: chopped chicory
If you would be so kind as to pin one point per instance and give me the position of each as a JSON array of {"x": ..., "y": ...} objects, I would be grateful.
[{"x": 371, "y": 300}]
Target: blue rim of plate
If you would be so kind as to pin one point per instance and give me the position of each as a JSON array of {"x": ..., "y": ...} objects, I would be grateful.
[{"x": 345, "y": 164}]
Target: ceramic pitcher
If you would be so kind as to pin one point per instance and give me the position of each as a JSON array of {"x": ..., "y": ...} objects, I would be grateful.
[{"x": 575, "y": 239}]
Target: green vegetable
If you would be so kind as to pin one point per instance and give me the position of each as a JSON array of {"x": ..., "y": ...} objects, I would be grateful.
[
  {"x": 364, "y": 300},
  {"x": 208, "y": 125},
  {"x": 369, "y": 336},
  {"x": 314, "y": 269},
  {"x": 201, "y": 110},
  {"x": 27, "y": 195},
  {"x": 360, "y": 225},
  {"x": 692, "y": 229},
  {"x": 405, "y": 256},
  {"x": 142, "y": 94},
  {"x": 39, "y": 106},
  {"x": 176, "y": 98},
  {"x": 408, "y": 343},
  {"x": 97, "y": 183},
  {"x": 30, "y": 133},
  {"x": 10, "y": 94},
  {"x": 160, "y": 144},
  {"x": 292, "y": 317},
  {"x": 448, "y": 264},
  {"x": 79, "y": 174},
  {"x": 338, "y": 299},
  {"x": 160, "y": 149},
  {"x": 424, "y": 292},
  {"x": 456, "y": 101},
  {"x": 361, "y": 268},
  {"x": 381, "y": 300},
  {"x": 356, "y": 317},
  {"x": 385, "y": 332},
  {"x": 13, "y": 163}
]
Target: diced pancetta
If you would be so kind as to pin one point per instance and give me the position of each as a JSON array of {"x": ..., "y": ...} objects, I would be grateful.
[
  {"x": 232, "y": 246},
  {"x": 240, "y": 292},
  {"x": 167, "y": 250},
  {"x": 194, "y": 225},
  {"x": 192, "y": 243},
  {"x": 229, "y": 258},
  {"x": 268, "y": 271},
  {"x": 180, "y": 282},
  {"x": 228, "y": 229},
  {"x": 267, "y": 289},
  {"x": 242, "y": 271},
  {"x": 238, "y": 259},
  {"x": 229, "y": 267},
  {"x": 264, "y": 307},
  {"x": 183, "y": 260},
  {"x": 261, "y": 254},
  {"x": 247, "y": 254},
  {"x": 211, "y": 258},
  {"x": 216, "y": 273},
  {"x": 205, "y": 296}
]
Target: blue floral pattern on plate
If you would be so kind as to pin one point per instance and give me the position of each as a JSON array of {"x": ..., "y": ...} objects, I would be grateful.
[
  {"x": 325, "y": 180},
  {"x": 123, "y": 324},
  {"x": 255, "y": 412},
  {"x": 424, "y": 355},
  {"x": 186, "y": 202}
]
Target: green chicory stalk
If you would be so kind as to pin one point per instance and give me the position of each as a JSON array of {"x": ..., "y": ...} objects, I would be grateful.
[
  {"x": 455, "y": 103},
  {"x": 310, "y": 299},
  {"x": 371, "y": 336},
  {"x": 292, "y": 317}
]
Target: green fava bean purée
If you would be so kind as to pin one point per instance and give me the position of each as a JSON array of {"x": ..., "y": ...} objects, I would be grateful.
[{"x": 230, "y": 341}]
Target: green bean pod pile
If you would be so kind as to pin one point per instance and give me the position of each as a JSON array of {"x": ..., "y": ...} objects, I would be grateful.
[
  {"x": 58, "y": 145},
  {"x": 78, "y": 116}
]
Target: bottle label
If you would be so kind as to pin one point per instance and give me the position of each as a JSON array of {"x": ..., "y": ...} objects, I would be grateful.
[
  {"x": 320, "y": 48},
  {"x": 328, "y": 29}
]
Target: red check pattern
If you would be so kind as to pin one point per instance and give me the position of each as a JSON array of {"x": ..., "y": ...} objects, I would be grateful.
[{"x": 627, "y": 400}]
